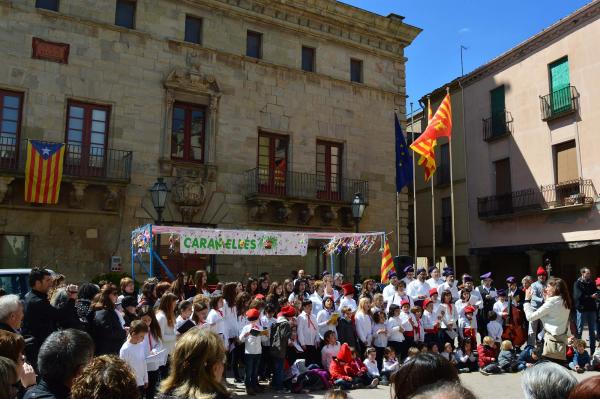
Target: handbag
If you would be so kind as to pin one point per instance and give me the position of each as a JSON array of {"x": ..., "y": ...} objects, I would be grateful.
[{"x": 555, "y": 346}]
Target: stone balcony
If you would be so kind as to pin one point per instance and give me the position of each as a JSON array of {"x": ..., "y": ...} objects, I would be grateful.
[
  {"x": 83, "y": 166},
  {"x": 565, "y": 196},
  {"x": 294, "y": 198}
]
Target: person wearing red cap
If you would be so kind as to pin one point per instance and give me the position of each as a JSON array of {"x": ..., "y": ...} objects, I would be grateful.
[
  {"x": 253, "y": 335},
  {"x": 409, "y": 323},
  {"x": 340, "y": 370},
  {"x": 348, "y": 299},
  {"x": 281, "y": 332},
  {"x": 537, "y": 300},
  {"x": 467, "y": 325}
]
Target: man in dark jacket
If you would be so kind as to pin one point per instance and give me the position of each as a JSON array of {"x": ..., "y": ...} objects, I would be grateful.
[
  {"x": 41, "y": 318},
  {"x": 585, "y": 295},
  {"x": 281, "y": 332},
  {"x": 62, "y": 357}
]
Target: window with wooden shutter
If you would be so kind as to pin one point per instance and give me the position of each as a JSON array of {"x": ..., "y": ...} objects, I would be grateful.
[{"x": 566, "y": 162}]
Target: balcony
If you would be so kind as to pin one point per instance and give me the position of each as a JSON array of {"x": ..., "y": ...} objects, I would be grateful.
[
  {"x": 294, "y": 197},
  {"x": 81, "y": 162},
  {"x": 497, "y": 126},
  {"x": 303, "y": 186},
  {"x": 559, "y": 103},
  {"x": 570, "y": 195}
]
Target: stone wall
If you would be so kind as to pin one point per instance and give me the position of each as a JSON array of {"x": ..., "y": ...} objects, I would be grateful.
[{"x": 127, "y": 69}]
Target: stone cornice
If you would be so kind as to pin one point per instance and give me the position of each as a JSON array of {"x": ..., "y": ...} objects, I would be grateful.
[
  {"x": 325, "y": 18},
  {"x": 577, "y": 19}
]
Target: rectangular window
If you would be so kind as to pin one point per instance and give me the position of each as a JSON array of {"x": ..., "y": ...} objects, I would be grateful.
[
  {"x": 503, "y": 186},
  {"x": 14, "y": 251},
  {"x": 254, "y": 44},
  {"x": 11, "y": 109},
  {"x": 47, "y": 4},
  {"x": 187, "y": 132},
  {"x": 329, "y": 170},
  {"x": 272, "y": 163},
  {"x": 566, "y": 162},
  {"x": 498, "y": 114},
  {"x": 308, "y": 59},
  {"x": 125, "y": 15},
  {"x": 560, "y": 93},
  {"x": 87, "y": 136},
  {"x": 193, "y": 29},
  {"x": 443, "y": 172},
  {"x": 356, "y": 70}
]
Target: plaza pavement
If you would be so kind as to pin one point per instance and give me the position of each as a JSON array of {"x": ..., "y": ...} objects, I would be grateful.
[{"x": 504, "y": 386}]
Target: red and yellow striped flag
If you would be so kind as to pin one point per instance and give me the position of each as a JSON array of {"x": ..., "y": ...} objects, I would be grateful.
[
  {"x": 387, "y": 263},
  {"x": 439, "y": 125},
  {"x": 43, "y": 171}
]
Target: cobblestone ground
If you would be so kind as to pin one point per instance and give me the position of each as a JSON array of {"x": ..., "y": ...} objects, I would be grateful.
[{"x": 505, "y": 386}]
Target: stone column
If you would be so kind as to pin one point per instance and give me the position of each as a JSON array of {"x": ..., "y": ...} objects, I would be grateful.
[{"x": 211, "y": 130}]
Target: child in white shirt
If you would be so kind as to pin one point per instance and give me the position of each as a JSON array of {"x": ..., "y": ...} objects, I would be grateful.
[
  {"x": 380, "y": 336},
  {"x": 494, "y": 328},
  {"x": 330, "y": 349},
  {"x": 371, "y": 363},
  {"x": 133, "y": 353},
  {"x": 200, "y": 314},
  {"x": 185, "y": 312},
  {"x": 501, "y": 307},
  {"x": 252, "y": 335},
  {"x": 390, "y": 364}
]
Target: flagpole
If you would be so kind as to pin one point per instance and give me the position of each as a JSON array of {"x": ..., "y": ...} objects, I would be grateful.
[
  {"x": 397, "y": 206},
  {"x": 432, "y": 194},
  {"x": 414, "y": 182},
  {"x": 452, "y": 199}
]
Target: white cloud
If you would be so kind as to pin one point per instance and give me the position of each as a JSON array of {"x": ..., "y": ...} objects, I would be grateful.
[{"x": 464, "y": 30}]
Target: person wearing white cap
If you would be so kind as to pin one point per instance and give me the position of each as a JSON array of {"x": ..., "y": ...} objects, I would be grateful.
[
  {"x": 418, "y": 289},
  {"x": 409, "y": 272},
  {"x": 435, "y": 280}
]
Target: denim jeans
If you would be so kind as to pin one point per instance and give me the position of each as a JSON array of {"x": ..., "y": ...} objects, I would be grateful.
[
  {"x": 590, "y": 317},
  {"x": 252, "y": 365},
  {"x": 278, "y": 373},
  {"x": 343, "y": 384}
]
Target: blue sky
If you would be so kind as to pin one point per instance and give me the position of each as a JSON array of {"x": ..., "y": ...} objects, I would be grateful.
[{"x": 488, "y": 28}]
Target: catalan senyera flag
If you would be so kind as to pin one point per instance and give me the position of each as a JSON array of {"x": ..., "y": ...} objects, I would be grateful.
[
  {"x": 387, "y": 263},
  {"x": 43, "y": 171},
  {"x": 439, "y": 125}
]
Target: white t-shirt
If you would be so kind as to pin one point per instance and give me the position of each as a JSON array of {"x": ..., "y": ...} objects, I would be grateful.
[
  {"x": 328, "y": 352},
  {"x": 372, "y": 369},
  {"x": 135, "y": 357}
]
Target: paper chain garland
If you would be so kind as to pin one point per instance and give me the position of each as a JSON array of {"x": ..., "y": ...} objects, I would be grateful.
[{"x": 349, "y": 245}]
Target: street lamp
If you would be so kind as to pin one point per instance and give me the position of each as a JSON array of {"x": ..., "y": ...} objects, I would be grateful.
[
  {"x": 358, "y": 208},
  {"x": 159, "y": 197}
]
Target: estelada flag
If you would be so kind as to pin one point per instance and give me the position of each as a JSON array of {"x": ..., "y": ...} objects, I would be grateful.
[
  {"x": 440, "y": 125},
  {"x": 387, "y": 263},
  {"x": 43, "y": 171}
]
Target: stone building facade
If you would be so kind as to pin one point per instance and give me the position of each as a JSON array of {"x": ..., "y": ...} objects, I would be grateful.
[{"x": 257, "y": 114}]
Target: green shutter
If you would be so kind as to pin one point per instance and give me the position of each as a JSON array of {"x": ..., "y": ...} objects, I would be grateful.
[
  {"x": 498, "y": 113},
  {"x": 559, "y": 86}
]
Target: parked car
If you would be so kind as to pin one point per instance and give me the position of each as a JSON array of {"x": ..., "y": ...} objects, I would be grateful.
[{"x": 15, "y": 281}]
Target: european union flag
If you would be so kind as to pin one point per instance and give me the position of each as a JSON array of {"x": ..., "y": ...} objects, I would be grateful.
[{"x": 404, "y": 165}]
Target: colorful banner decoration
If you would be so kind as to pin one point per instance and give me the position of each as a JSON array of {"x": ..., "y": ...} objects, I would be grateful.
[
  {"x": 43, "y": 171},
  {"x": 242, "y": 242}
]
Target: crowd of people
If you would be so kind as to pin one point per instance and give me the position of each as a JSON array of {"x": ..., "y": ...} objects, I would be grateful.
[{"x": 177, "y": 339}]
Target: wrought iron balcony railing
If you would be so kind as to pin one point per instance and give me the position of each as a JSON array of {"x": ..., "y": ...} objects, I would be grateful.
[
  {"x": 498, "y": 125},
  {"x": 304, "y": 186},
  {"x": 574, "y": 193},
  {"x": 558, "y": 103},
  {"x": 81, "y": 161}
]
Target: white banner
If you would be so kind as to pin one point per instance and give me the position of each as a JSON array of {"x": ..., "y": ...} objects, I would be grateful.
[{"x": 241, "y": 242}]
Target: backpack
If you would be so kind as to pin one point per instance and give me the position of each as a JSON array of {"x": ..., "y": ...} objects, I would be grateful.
[{"x": 278, "y": 342}]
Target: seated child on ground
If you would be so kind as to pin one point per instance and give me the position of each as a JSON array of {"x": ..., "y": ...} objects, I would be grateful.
[
  {"x": 530, "y": 355},
  {"x": 486, "y": 354},
  {"x": 507, "y": 359},
  {"x": 390, "y": 364},
  {"x": 581, "y": 357},
  {"x": 448, "y": 353},
  {"x": 466, "y": 357}
]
